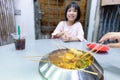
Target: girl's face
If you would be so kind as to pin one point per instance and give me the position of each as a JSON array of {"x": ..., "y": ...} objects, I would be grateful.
[{"x": 71, "y": 14}]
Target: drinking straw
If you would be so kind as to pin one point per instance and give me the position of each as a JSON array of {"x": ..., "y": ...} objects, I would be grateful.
[
  {"x": 22, "y": 29},
  {"x": 19, "y": 32}
]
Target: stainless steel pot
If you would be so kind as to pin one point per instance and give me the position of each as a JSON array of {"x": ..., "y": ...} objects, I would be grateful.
[{"x": 51, "y": 72}]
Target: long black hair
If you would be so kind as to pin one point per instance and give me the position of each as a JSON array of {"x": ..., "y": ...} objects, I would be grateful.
[{"x": 77, "y": 7}]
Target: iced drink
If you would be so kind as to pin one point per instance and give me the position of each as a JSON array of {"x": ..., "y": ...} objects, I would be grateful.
[
  {"x": 19, "y": 44},
  {"x": 19, "y": 41}
]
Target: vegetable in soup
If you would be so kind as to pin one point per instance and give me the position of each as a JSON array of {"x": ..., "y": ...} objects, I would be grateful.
[{"x": 70, "y": 59}]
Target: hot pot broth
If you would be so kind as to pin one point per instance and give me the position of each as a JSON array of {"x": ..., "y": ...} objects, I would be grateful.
[{"x": 70, "y": 59}]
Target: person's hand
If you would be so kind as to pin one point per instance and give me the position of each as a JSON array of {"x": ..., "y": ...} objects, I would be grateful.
[
  {"x": 114, "y": 45},
  {"x": 58, "y": 35},
  {"x": 66, "y": 37},
  {"x": 110, "y": 36}
]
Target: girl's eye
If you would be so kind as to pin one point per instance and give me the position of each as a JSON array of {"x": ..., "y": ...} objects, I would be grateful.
[
  {"x": 75, "y": 10},
  {"x": 69, "y": 10},
  {"x": 72, "y": 10}
]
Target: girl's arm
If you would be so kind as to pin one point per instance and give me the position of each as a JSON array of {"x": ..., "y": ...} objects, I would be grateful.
[
  {"x": 71, "y": 39},
  {"x": 67, "y": 37},
  {"x": 58, "y": 32},
  {"x": 80, "y": 33},
  {"x": 58, "y": 35}
]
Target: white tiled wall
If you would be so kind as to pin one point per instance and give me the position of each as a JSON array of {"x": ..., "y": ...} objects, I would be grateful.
[{"x": 26, "y": 19}]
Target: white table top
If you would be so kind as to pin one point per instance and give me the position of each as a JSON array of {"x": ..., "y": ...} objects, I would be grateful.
[{"x": 14, "y": 65}]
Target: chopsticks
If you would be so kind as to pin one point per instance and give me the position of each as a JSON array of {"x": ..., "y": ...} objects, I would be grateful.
[
  {"x": 40, "y": 60},
  {"x": 90, "y": 72},
  {"x": 33, "y": 56},
  {"x": 87, "y": 53},
  {"x": 59, "y": 47}
]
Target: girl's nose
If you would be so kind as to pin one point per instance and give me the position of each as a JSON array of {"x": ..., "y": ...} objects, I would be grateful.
[{"x": 71, "y": 12}]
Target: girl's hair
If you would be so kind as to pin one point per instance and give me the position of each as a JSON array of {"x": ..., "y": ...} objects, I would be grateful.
[{"x": 76, "y": 6}]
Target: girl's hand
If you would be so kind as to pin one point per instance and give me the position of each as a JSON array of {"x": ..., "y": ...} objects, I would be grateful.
[
  {"x": 58, "y": 35},
  {"x": 66, "y": 39},
  {"x": 66, "y": 36}
]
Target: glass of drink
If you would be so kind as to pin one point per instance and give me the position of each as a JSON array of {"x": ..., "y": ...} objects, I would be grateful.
[{"x": 19, "y": 41}]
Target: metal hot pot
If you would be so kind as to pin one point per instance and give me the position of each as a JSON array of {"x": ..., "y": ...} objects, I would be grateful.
[{"x": 50, "y": 71}]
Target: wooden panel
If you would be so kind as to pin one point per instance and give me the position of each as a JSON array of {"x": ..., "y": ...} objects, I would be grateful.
[
  {"x": 110, "y": 2},
  {"x": 7, "y": 25}
]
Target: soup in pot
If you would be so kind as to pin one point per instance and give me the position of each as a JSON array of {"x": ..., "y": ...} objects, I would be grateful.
[{"x": 70, "y": 59}]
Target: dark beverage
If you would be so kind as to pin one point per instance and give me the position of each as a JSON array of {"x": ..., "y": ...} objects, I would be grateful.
[{"x": 19, "y": 44}]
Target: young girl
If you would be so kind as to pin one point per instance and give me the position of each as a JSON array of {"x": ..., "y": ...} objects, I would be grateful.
[{"x": 71, "y": 29}]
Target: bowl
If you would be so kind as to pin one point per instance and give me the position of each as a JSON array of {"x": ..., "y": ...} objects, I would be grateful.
[{"x": 50, "y": 71}]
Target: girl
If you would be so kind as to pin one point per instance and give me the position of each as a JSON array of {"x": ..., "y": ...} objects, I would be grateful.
[{"x": 71, "y": 29}]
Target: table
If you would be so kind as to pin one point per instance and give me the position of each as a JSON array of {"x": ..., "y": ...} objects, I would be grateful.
[{"x": 14, "y": 65}]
